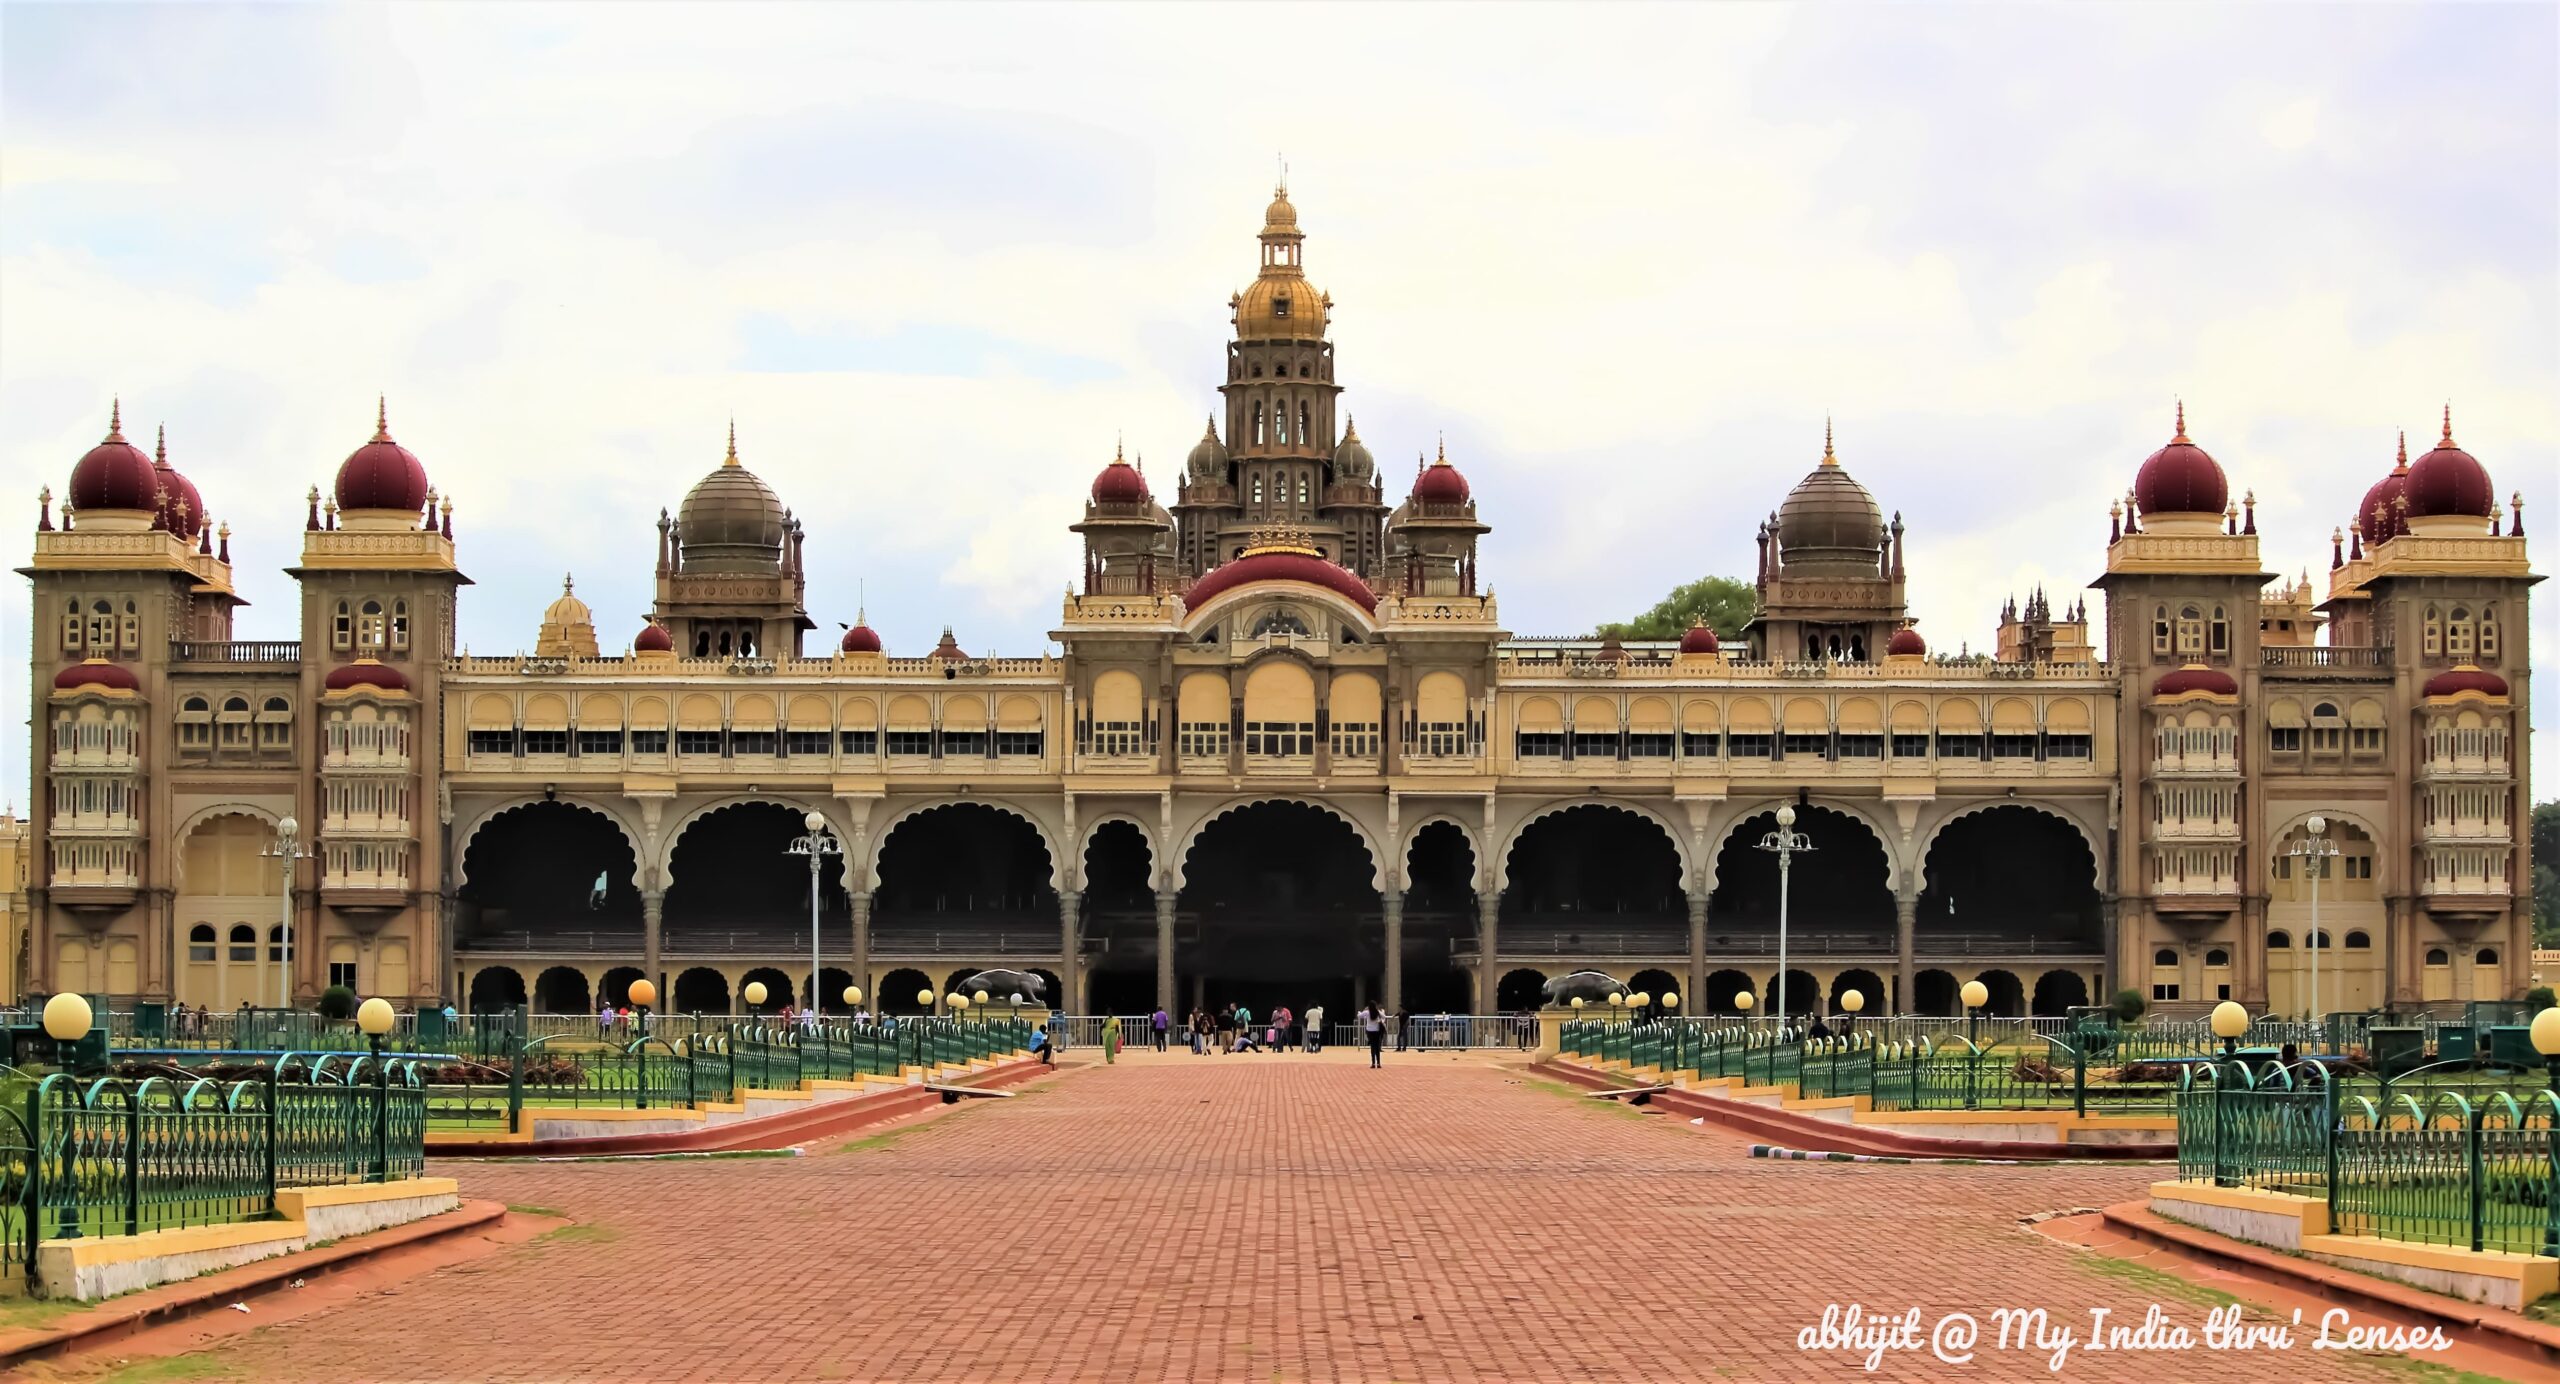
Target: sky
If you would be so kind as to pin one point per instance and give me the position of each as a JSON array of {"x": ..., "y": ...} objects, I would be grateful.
[{"x": 935, "y": 261}]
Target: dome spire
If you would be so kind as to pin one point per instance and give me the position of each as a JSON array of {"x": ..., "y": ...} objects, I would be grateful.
[
  {"x": 381, "y": 417},
  {"x": 2182, "y": 423},
  {"x": 2402, "y": 466},
  {"x": 160, "y": 453},
  {"x": 1827, "y": 458},
  {"x": 115, "y": 420},
  {"x": 2447, "y": 439},
  {"x": 1350, "y": 429},
  {"x": 732, "y": 458}
]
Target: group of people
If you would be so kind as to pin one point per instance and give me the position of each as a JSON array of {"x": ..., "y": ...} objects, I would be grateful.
[{"x": 1234, "y": 1029}]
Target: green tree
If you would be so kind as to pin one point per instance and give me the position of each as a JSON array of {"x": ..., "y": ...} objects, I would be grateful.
[
  {"x": 337, "y": 1004},
  {"x": 2546, "y": 873},
  {"x": 1724, "y": 603}
]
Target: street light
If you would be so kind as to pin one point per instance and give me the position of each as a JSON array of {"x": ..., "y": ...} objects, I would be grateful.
[
  {"x": 817, "y": 845},
  {"x": 1851, "y": 1001},
  {"x": 755, "y": 993},
  {"x": 1786, "y": 841},
  {"x": 2546, "y": 1040},
  {"x": 66, "y": 1021},
  {"x": 2314, "y": 851},
  {"x": 285, "y": 851},
  {"x": 852, "y": 997},
  {"x": 642, "y": 993},
  {"x": 1975, "y": 995},
  {"x": 374, "y": 1017},
  {"x": 1742, "y": 1002},
  {"x": 2230, "y": 1021}
]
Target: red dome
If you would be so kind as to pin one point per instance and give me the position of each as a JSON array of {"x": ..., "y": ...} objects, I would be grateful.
[
  {"x": 382, "y": 474},
  {"x": 861, "y": 638},
  {"x": 1440, "y": 484},
  {"x": 114, "y": 474},
  {"x": 96, "y": 672},
  {"x": 1907, "y": 642},
  {"x": 365, "y": 672},
  {"x": 1280, "y": 566},
  {"x": 2195, "y": 677},
  {"x": 654, "y": 639},
  {"x": 2181, "y": 479},
  {"x": 181, "y": 507},
  {"x": 2465, "y": 679},
  {"x": 1699, "y": 640},
  {"x": 2384, "y": 498},
  {"x": 2447, "y": 480},
  {"x": 1120, "y": 484}
]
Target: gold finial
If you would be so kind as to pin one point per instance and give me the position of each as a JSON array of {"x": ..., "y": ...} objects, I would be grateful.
[
  {"x": 568, "y": 583},
  {"x": 1444, "y": 451},
  {"x": 115, "y": 419},
  {"x": 381, "y": 418},
  {"x": 2448, "y": 424},
  {"x": 1119, "y": 449},
  {"x": 160, "y": 453},
  {"x": 1282, "y": 538},
  {"x": 732, "y": 458},
  {"x": 1827, "y": 458},
  {"x": 1281, "y": 187},
  {"x": 1350, "y": 428},
  {"x": 2403, "y": 464},
  {"x": 2182, "y": 423}
]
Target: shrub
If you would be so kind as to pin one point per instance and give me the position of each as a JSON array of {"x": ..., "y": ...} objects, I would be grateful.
[
  {"x": 2540, "y": 998},
  {"x": 2129, "y": 1005},
  {"x": 338, "y": 1004}
]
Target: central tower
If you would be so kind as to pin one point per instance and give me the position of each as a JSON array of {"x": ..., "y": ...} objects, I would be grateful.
[{"x": 1282, "y": 462}]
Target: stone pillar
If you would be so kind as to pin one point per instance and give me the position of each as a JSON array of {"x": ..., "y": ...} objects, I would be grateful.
[
  {"x": 1164, "y": 950},
  {"x": 1695, "y": 994},
  {"x": 653, "y": 917},
  {"x": 1489, "y": 951},
  {"x": 1391, "y": 904},
  {"x": 1069, "y": 953},
  {"x": 860, "y": 907},
  {"x": 1906, "y": 945}
]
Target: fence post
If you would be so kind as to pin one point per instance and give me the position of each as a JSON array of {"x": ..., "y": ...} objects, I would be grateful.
[
  {"x": 2332, "y": 1129},
  {"x": 381, "y": 1120},
  {"x": 2471, "y": 1157},
  {"x": 515, "y": 1085},
  {"x": 133, "y": 1164},
  {"x": 2221, "y": 1171},
  {"x": 2080, "y": 1082},
  {"x": 640, "y": 1059},
  {"x": 275, "y": 1099}
]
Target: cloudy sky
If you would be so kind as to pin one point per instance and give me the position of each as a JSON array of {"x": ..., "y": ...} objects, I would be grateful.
[{"x": 934, "y": 260}]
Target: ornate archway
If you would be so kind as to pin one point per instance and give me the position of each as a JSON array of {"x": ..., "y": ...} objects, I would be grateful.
[
  {"x": 2009, "y": 875},
  {"x": 529, "y": 873},
  {"x": 1279, "y": 905},
  {"x": 1839, "y": 895},
  {"x": 1594, "y": 879}
]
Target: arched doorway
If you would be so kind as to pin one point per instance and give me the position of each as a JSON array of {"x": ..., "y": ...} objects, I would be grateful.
[
  {"x": 1284, "y": 899},
  {"x": 777, "y": 990},
  {"x": 1656, "y": 983},
  {"x": 2058, "y": 993},
  {"x": 1522, "y": 989},
  {"x": 1877, "y": 997},
  {"x": 1803, "y": 994},
  {"x": 529, "y": 876},
  {"x": 2007, "y": 877},
  {"x": 733, "y": 885},
  {"x": 1838, "y": 898},
  {"x": 1935, "y": 992},
  {"x": 1118, "y": 923},
  {"x": 1594, "y": 882},
  {"x": 561, "y": 990},
  {"x": 898, "y": 991},
  {"x": 2008, "y": 998},
  {"x": 616, "y": 988},
  {"x": 1723, "y": 988},
  {"x": 497, "y": 989},
  {"x": 964, "y": 878},
  {"x": 702, "y": 990},
  {"x": 1439, "y": 921}
]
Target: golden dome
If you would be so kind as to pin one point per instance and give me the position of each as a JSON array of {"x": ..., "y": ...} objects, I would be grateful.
[
  {"x": 1281, "y": 306},
  {"x": 568, "y": 610},
  {"x": 1279, "y": 216}
]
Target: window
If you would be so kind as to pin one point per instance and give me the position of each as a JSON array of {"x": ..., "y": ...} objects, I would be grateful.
[
  {"x": 1302, "y": 490},
  {"x": 546, "y": 742},
  {"x": 1353, "y": 739},
  {"x": 2069, "y": 747},
  {"x": 102, "y": 628},
  {"x": 342, "y": 628},
  {"x": 200, "y": 942},
  {"x": 1750, "y": 746},
  {"x": 195, "y": 724},
  {"x": 1911, "y": 746},
  {"x": 1304, "y": 433},
  {"x": 648, "y": 742},
  {"x": 1694, "y": 745},
  {"x": 1648, "y": 744},
  {"x": 2365, "y": 739},
  {"x": 1018, "y": 742},
  {"x": 2013, "y": 747},
  {"x": 2359, "y": 941},
  {"x": 2486, "y": 956},
  {"x": 810, "y": 742},
  {"x": 911, "y": 742},
  {"x": 234, "y": 722},
  {"x": 2159, "y": 629},
  {"x": 275, "y": 944},
  {"x": 1257, "y": 490},
  {"x": 2285, "y": 739},
  {"x": 244, "y": 943},
  {"x": 1960, "y": 747},
  {"x": 2438, "y": 956},
  {"x": 2221, "y": 638},
  {"x": 399, "y": 624},
  {"x": 2279, "y": 941},
  {"x": 131, "y": 629},
  {"x": 858, "y": 741},
  {"x": 71, "y": 640},
  {"x": 1595, "y": 744},
  {"x": 1861, "y": 746},
  {"x": 1208, "y": 739},
  {"x": 964, "y": 744},
  {"x": 1280, "y": 739},
  {"x": 2190, "y": 630},
  {"x": 493, "y": 742},
  {"x": 2217, "y": 957},
  {"x": 704, "y": 742},
  {"x": 753, "y": 741},
  {"x": 2433, "y": 636},
  {"x": 1447, "y": 739},
  {"x": 1257, "y": 437},
  {"x": 1117, "y": 737},
  {"x": 2488, "y": 633},
  {"x": 1536, "y": 744},
  {"x": 343, "y": 973},
  {"x": 1795, "y": 744},
  {"x": 600, "y": 742},
  {"x": 2457, "y": 634}
]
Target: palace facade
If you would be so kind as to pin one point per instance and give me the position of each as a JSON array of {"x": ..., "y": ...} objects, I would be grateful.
[{"x": 1287, "y": 753}]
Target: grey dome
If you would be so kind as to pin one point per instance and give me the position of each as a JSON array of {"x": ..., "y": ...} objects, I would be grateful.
[
  {"x": 1209, "y": 456},
  {"x": 1830, "y": 521},
  {"x": 1352, "y": 464},
  {"x": 731, "y": 521}
]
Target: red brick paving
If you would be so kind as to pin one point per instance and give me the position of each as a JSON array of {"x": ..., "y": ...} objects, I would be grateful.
[{"x": 1270, "y": 1220}]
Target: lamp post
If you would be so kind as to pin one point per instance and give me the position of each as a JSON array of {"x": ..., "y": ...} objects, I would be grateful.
[
  {"x": 924, "y": 998},
  {"x": 1617, "y": 1015},
  {"x": 2229, "y": 1022},
  {"x": 2314, "y": 850},
  {"x": 285, "y": 850},
  {"x": 1975, "y": 995},
  {"x": 1786, "y": 841},
  {"x": 642, "y": 993},
  {"x": 817, "y": 845},
  {"x": 374, "y": 1017},
  {"x": 66, "y": 1021},
  {"x": 1671, "y": 1009},
  {"x": 1851, "y": 1001},
  {"x": 754, "y": 994}
]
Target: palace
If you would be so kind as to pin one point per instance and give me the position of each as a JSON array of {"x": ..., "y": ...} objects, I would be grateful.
[{"x": 1287, "y": 753}]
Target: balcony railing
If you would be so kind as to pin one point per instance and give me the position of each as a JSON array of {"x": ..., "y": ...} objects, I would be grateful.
[
  {"x": 2326, "y": 656},
  {"x": 237, "y": 651}
]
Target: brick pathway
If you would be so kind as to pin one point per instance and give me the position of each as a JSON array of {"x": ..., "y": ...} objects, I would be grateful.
[{"x": 1249, "y": 1219}]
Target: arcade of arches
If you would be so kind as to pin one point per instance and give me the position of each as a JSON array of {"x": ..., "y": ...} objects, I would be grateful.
[{"x": 1280, "y": 902}]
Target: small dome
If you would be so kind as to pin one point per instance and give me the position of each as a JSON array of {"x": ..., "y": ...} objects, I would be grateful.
[
  {"x": 181, "y": 507},
  {"x": 2449, "y": 481},
  {"x": 653, "y": 639},
  {"x": 1120, "y": 484},
  {"x": 2466, "y": 678},
  {"x": 2181, "y": 478},
  {"x": 1907, "y": 641},
  {"x": 1280, "y": 215},
  {"x": 1699, "y": 640},
  {"x": 1208, "y": 456},
  {"x": 114, "y": 474},
  {"x": 2378, "y": 516},
  {"x": 860, "y": 638},
  {"x": 1280, "y": 558},
  {"x": 1829, "y": 520},
  {"x": 948, "y": 650},
  {"x": 731, "y": 521},
  {"x": 2193, "y": 678},
  {"x": 1352, "y": 464},
  {"x": 365, "y": 672},
  {"x": 96, "y": 672},
  {"x": 1440, "y": 483},
  {"x": 568, "y": 610},
  {"x": 382, "y": 474}
]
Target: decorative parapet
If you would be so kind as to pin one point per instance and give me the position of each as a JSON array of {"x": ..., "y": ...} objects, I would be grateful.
[
  {"x": 1437, "y": 610},
  {"x": 376, "y": 550},
  {"x": 123, "y": 550},
  {"x": 2186, "y": 553}
]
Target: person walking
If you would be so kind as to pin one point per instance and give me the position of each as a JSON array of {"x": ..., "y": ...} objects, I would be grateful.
[
  {"x": 1404, "y": 1029},
  {"x": 1158, "y": 1023},
  {"x": 1315, "y": 1028},
  {"x": 1111, "y": 1041},
  {"x": 1373, "y": 1023},
  {"x": 604, "y": 1019}
]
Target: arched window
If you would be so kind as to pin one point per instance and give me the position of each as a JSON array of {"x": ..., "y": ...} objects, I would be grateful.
[
  {"x": 2164, "y": 957},
  {"x": 702, "y": 643},
  {"x": 244, "y": 942},
  {"x": 2221, "y": 635},
  {"x": 1280, "y": 424},
  {"x": 71, "y": 640},
  {"x": 2457, "y": 633},
  {"x": 2488, "y": 633},
  {"x": 2486, "y": 956},
  {"x": 1304, "y": 488},
  {"x": 1304, "y": 432},
  {"x": 1257, "y": 489},
  {"x": 2217, "y": 957},
  {"x": 2190, "y": 630},
  {"x": 102, "y": 627},
  {"x": 2279, "y": 941},
  {"x": 2432, "y": 638},
  {"x": 234, "y": 721},
  {"x": 342, "y": 628},
  {"x": 369, "y": 630},
  {"x": 2359, "y": 941},
  {"x": 200, "y": 942},
  {"x": 131, "y": 635},
  {"x": 275, "y": 942},
  {"x": 2159, "y": 629},
  {"x": 2437, "y": 956},
  {"x": 275, "y": 724},
  {"x": 1257, "y": 415},
  {"x": 399, "y": 624}
]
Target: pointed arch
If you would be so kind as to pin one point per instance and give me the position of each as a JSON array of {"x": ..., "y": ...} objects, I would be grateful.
[
  {"x": 1048, "y": 839},
  {"x": 1472, "y": 835},
  {"x": 1501, "y": 860},
  {"x": 1179, "y": 862},
  {"x": 2091, "y": 837},
  {"x": 1738, "y": 812},
  {"x": 472, "y": 823}
]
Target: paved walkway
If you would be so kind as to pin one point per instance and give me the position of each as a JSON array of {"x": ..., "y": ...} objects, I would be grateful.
[{"x": 1251, "y": 1219}]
